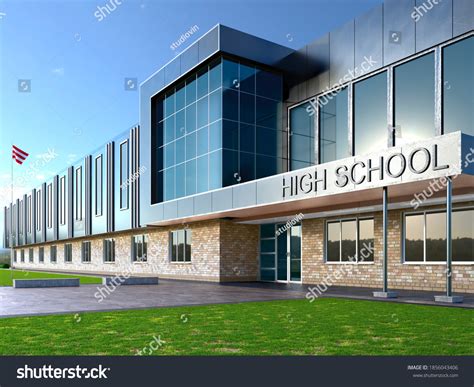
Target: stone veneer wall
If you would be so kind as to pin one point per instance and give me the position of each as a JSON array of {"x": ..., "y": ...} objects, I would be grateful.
[
  {"x": 221, "y": 251},
  {"x": 429, "y": 277}
]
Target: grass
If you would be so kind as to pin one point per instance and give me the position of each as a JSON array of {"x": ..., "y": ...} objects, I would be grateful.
[
  {"x": 295, "y": 327},
  {"x": 7, "y": 276}
]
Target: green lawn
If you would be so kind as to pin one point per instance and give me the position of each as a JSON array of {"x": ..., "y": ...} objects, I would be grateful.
[
  {"x": 296, "y": 327},
  {"x": 7, "y": 276}
]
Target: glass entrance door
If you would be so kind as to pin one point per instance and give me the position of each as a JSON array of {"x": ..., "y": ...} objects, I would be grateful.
[{"x": 280, "y": 253}]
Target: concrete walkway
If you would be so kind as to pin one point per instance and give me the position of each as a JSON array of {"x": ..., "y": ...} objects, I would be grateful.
[{"x": 169, "y": 293}]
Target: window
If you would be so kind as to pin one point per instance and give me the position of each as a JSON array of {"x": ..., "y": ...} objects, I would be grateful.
[
  {"x": 20, "y": 222},
  {"x": 98, "y": 185},
  {"x": 334, "y": 127},
  {"x": 22, "y": 255},
  {"x": 53, "y": 254},
  {"x": 350, "y": 240},
  {"x": 414, "y": 100},
  {"x": 62, "y": 200},
  {"x": 425, "y": 236},
  {"x": 30, "y": 213},
  {"x": 78, "y": 194},
  {"x": 68, "y": 252},
  {"x": 30, "y": 255},
  {"x": 109, "y": 250},
  {"x": 301, "y": 137},
  {"x": 50, "y": 205},
  {"x": 458, "y": 90},
  {"x": 38, "y": 211},
  {"x": 41, "y": 255},
  {"x": 14, "y": 256},
  {"x": 86, "y": 252},
  {"x": 139, "y": 248},
  {"x": 124, "y": 175},
  {"x": 180, "y": 246},
  {"x": 370, "y": 114}
]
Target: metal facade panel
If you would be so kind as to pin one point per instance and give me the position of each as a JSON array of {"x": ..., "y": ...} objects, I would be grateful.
[
  {"x": 435, "y": 23},
  {"x": 170, "y": 210},
  {"x": 173, "y": 70},
  {"x": 369, "y": 41},
  {"x": 341, "y": 52},
  {"x": 318, "y": 65},
  {"x": 208, "y": 44},
  {"x": 222, "y": 199},
  {"x": 185, "y": 207},
  {"x": 399, "y": 30},
  {"x": 189, "y": 58},
  {"x": 463, "y": 16},
  {"x": 244, "y": 195},
  {"x": 203, "y": 203}
]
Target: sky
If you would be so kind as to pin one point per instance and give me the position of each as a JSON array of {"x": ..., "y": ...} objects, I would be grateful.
[{"x": 63, "y": 68}]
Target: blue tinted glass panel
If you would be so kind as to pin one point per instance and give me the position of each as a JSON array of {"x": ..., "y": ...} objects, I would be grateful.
[
  {"x": 191, "y": 177},
  {"x": 180, "y": 150},
  {"x": 266, "y": 166},
  {"x": 215, "y": 75},
  {"x": 230, "y": 168},
  {"x": 230, "y": 104},
  {"x": 180, "y": 181},
  {"x": 247, "y": 166},
  {"x": 247, "y": 79},
  {"x": 267, "y": 141},
  {"x": 191, "y": 118},
  {"x": 269, "y": 85},
  {"x": 267, "y": 245},
  {"x": 247, "y": 138},
  {"x": 334, "y": 127},
  {"x": 215, "y": 105},
  {"x": 370, "y": 114},
  {"x": 202, "y": 174},
  {"x": 169, "y": 129},
  {"x": 202, "y": 83},
  {"x": 267, "y": 231},
  {"x": 267, "y": 112},
  {"x": 302, "y": 120},
  {"x": 230, "y": 134},
  {"x": 215, "y": 136},
  {"x": 267, "y": 275},
  {"x": 414, "y": 100},
  {"x": 458, "y": 74},
  {"x": 202, "y": 141},
  {"x": 302, "y": 148},
  {"x": 267, "y": 261},
  {"x": 169, "y": 154},
  {"x": 169, "y": 184},
  {"x": 191, "y": 146},
  {"x": 215, "y": 170},
  {"x": 247, "y": 108},
  {"x": 180, "y": 124},
  {"x": 191, "y": 90},
  {"x": 202, "y": 112},
  {"x": 169, "y": 104},
  {"x": 230, "y": 74},
  {"x": 180, "y": 97}
]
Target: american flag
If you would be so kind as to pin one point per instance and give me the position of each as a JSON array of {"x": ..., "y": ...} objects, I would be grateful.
[{"x": 18, "y": 155}]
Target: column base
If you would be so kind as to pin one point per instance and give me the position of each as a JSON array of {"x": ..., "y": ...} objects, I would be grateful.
[
  {"x": 449, "y": 299},
  {"x": 388, "y": 294}
]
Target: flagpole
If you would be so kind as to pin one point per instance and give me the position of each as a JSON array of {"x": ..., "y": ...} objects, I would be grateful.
[{"x": 11, "y": 220}]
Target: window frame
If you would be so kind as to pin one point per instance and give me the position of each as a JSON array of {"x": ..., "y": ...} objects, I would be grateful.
[
  {"x": 403, "y": 233},
  {"x": 357, "y": 219},
  {"x": 108, "y": 251},
  {"x": 38, "y": 210},
  {"x": 143, "y": 239},
  {"x": 49, "y": 191},
  {"x": 68, "y": 253},
  {"x": 62, "y": 200},
  {"x": 83, "y": 252},
  {"x": 121, "y": 177},
  {"x": 31, "y": 255},
  {"x": 41, "y": 255},
  {"x": 98, "y": 209},
  {"x": 78, "y": 193},
  {"x": 55, "y": 255},
  {"x": 185, "y": 232}
]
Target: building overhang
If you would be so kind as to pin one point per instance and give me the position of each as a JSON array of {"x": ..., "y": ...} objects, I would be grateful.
[{"x": 413, "y": 173}]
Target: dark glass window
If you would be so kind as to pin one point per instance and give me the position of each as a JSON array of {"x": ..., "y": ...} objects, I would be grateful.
[
  {"x": 191, "y": 90},
  {"x": 86, "y": 252},
  {"x": 247, "y": 79},
  {"x": 463, "y": 236},
  {"x": 108, "y": 250},
  {"x": 269, "y": 85},
  {"x": 334, "y": 127},
  {"x": 267, "y": 142},
  {"x": 414, "y": 100},
  {"x": 267, "y": 112},
  {"x": 215, "y": 105},
  {"x": 98, "y": 185},
  {"x": 169, "y": 104},
  {"x": 414, "y": 238},
  {"x": 180, "y": 245},
  {"x": 40, "y": 255},
  {"x": 215, "y": 136},
  {"x": 458, "y": 91},
  {"x": 230, "y": 105},
  {"x": 215, "y": 75},
  {"x": 202, "y": 83},
  {"x": 53, "y": 254},
  {"x": 366, "y": 240},
  {"x": 139, "y": 248},
  {"x": 180, "y": 127},
  {"x": 370, "y": 114},
  {"x": 68, "y": 252},
  {"x": 202, "y": 112},
  {"x": 230, "y": 74},
  {"x": 230, "y": 134},
  {"x": 180, "y": 97},
  {"x": 247, "y": 138}
]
